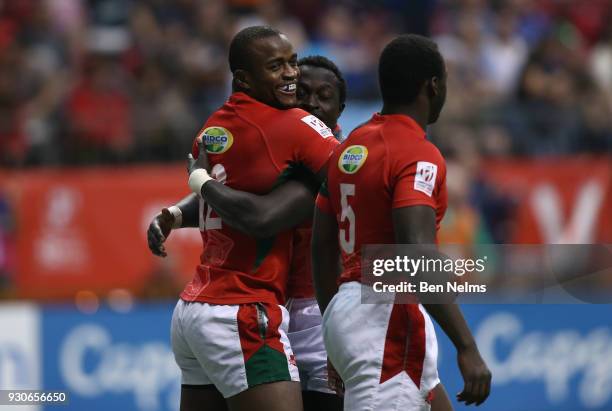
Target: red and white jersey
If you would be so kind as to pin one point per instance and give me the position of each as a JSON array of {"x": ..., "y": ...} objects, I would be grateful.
[
  {"x": 387, "y": 163},
  {"x": 249, "y": 145},
  {"x": 300, "y": 276}
]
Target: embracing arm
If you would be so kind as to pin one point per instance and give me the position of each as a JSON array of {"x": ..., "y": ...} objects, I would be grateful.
[
  {"x": 417, "y": 225},
  {"x": 259, "y": 216}
]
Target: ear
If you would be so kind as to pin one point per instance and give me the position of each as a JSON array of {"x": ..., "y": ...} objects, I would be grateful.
[
  {"x": 434, "y": 86},
  {"x": 342, "y": 108},
  {"x": 242, "y": 80}
]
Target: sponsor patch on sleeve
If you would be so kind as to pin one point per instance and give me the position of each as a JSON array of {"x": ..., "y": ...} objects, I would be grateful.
[
  {"x": 318, "y": 126},
  {"x": 425, "y": 178}
]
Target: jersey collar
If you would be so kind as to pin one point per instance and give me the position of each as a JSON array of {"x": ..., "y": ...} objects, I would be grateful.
[{"x": 401, "y": 118}]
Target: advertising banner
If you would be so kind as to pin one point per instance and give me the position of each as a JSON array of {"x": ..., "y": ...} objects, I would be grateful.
[
  {"x": 85, "y": 229},
  {"x": 542, "y": 357},
  {"x": 110, "y": 360}
]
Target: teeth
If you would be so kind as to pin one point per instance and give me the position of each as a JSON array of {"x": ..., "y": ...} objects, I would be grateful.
[{"x": 289, "y": 87}]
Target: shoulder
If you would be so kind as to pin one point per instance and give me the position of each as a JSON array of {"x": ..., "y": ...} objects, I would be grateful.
[
  {"x": 411, "y": 149},
  {"x": 304, "y": 123}
]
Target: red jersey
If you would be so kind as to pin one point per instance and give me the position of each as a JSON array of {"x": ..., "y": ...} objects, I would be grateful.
[
  {"x": 300, "y": 276},
  {"x": 386, "y": 163},
  {"x": 249, "y": 145}
]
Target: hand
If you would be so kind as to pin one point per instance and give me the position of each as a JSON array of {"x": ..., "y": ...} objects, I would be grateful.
[
  {"x": 334, "y": 382},
  {"x": 158, "y": 232},
  {"x": 476, "y": 377},
  {"x": 201, "y": 161}
]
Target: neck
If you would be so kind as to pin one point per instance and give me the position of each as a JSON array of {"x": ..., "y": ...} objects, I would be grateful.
[{"x": 416, "y": 113}]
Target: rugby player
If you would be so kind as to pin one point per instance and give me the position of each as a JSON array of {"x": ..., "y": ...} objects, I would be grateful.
[
  {"x": 322, "y": 92},
  {"x": 229, "y": 330},
  {"x": 391, "y": 190}
]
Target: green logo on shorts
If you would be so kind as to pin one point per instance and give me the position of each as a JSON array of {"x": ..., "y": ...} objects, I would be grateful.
[
  {"x": 217, "y": 139},
  {"x": 352, "y": 159}
]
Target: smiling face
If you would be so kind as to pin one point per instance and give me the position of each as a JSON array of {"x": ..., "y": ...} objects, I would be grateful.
[
  {"x": 319, "y": 95},
  {"x": 273, "y": 72}
]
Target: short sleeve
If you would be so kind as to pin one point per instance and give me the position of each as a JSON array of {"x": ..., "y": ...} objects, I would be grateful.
[
  {"x": 322, "y": 201},
  {"x": 419, "y": 178},
  {"x": 314, "y": 144}
]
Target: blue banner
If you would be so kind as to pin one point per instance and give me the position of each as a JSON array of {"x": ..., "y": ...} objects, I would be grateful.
[
  {"x": 110, "y": 360},
  {"x": 543, "y": 357}
]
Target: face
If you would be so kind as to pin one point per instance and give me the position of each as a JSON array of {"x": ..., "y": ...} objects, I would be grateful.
[
  {"x": 272, "y": 76},
  {"x": 438, "y": 91},
  {"x": 318, "y": 94}
]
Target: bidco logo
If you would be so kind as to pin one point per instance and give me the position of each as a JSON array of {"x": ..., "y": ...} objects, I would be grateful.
[
  {"x": 352, "y": 159},
  {"x": 217, "y": 139}
]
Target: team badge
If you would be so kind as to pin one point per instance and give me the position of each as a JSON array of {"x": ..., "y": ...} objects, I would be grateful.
[
  {"x": 217, "y": 139},
  {"x": 352, "y": 159}
]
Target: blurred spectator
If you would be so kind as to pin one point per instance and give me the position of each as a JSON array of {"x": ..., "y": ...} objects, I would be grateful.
[
  {"x": 98, "y": 114},
  {"x": 504, "y": 53},
  {"x": 112, "y": 81}
]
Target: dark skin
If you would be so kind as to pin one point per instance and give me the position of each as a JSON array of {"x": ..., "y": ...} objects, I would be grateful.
[
  {"x": 270, "y": 78},
  {"x": 318, "y": 94},
  {"x": 273, "y": 69},
  {"x": 287, "y": 205},
  {"x": 412, "y": 225}
]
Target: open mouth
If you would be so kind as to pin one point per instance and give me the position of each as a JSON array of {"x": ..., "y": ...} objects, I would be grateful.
[{"x": 288, "y": 88}]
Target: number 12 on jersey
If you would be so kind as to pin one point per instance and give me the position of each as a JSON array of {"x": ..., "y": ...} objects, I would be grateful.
[{"x": 347, "y": 236}]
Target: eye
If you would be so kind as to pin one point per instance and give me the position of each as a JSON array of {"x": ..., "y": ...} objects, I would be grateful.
[
  {"x": 274, "y": 67},
  {"x": 325, "y": 95}
]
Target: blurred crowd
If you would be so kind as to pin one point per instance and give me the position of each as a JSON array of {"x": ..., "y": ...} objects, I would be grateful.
[{"x": 119, "y": 81}]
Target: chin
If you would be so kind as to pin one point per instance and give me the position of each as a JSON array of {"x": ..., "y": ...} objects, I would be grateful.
[{"x": 285, "y": 102}]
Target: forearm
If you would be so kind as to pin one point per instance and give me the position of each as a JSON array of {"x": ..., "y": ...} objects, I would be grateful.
[
  {"x": 325, "y": 258},
  {"x": 256, "y": 215},
  {"x": 236, "y": 208},
  {"x": 325, "y": 277},
  {"x": 190, "y": 208},
  {"x": 452, "y": 322}
]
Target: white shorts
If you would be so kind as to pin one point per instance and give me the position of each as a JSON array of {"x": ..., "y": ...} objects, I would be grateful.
[
  {"x": 234, "y": 347},
  {"x": 305, "y": 334},
  {"x": 386, "y": 354}
]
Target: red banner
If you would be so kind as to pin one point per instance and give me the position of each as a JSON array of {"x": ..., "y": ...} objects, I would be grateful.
[
  {"x": 558, "y": 200},
  {"x": 85, "y": 229}
]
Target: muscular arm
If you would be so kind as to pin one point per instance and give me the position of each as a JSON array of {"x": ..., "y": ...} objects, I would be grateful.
[
  {"x": 325, "y": 257},
  {"x": 417, "y": 225},
  {"x": 260, "y": 216}
]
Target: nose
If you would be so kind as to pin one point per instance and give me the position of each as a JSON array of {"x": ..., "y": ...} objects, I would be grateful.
[
  {"x": 290, "y": 72},
  {"x": 310, "y": 103}
]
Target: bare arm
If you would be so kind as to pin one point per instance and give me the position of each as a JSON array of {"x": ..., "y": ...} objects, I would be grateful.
[
  {"x": 325, "y": 257},
  {"x": 259, "y": 216},
  {"x": 417, "y": 225}
]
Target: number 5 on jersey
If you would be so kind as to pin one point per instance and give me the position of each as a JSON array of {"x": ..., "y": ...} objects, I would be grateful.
[{"x": 347, "y": 236}]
